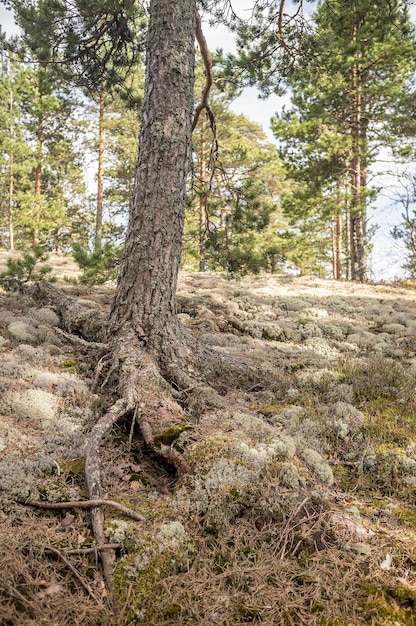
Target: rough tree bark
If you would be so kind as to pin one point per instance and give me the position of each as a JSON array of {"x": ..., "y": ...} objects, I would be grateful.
[
  {"x": 145, "y": 299},
  {"x": 148, "y": 354}
]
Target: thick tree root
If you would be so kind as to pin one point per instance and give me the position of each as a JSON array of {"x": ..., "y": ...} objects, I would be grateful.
[
  {"x": 148, "y": 393},
  {"x": 146, "y": 384},
  {"x": 142, "y": 391},
  {"x": 76, "y": 318}
]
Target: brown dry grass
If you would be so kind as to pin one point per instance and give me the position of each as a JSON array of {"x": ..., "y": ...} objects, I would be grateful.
[
  {"x": 301, "y": 565},
  {"x": 37, "y": 587}
]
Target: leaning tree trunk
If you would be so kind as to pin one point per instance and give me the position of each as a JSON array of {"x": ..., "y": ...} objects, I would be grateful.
[
  {"x": 149, "y": 358},
  {"x": 145, "y": 299}
]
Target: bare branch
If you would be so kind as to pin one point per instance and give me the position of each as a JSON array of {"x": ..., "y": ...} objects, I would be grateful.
[{"x": 203, "y": 46}]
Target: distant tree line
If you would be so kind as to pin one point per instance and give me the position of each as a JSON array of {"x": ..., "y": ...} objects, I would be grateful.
[{"x": 68, "y": 137}]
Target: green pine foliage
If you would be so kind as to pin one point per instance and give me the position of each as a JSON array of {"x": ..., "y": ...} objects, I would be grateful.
[
  {"x": 93, "y": 45},
  {"x": 99, "y": 265},
  {"x": 251, "y": 208},
  {"x": 345, "y": 99},
  {"x": 234, "y": 216},
  {"x": 42, "y": 191},
  {"x": 26, "y": 270}
]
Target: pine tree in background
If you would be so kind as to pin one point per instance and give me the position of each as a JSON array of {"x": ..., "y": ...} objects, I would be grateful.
[
  {"x": 233, "y": 215},
  {"x": 97, "y": 48},
  {"x": 405, "y": 232},
  {"x": 15, "y": 154},
  {"x": 361, "y": 57},
  {"x": 50, "y": 128}
]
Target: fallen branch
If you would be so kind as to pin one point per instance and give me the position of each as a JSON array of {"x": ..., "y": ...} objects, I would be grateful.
[
  {"x": 82, "y": 504},
  {"x": 73, "y": 570},
  {"x": 94, "y": 549}
]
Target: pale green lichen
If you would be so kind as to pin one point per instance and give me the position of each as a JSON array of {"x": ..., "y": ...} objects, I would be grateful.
[
  {"x": 116, "y": 530},
  {"x": 272, "y": 331},
  {"x": 219, "y": 495},
  {"x": 34, "y": 404},
  {"x": 45, "y": 316},
  {"x": 347, "y": 420},
  {"x": 315, "y": 313},
  {"x": 290, "y": 476},
  {"x": 11, "y": 367},
  {"x": 22, "y": 331},
  {"x": 394, "y": 329},
  {"x": 333, "y": 331},
  {"x": 169, "y": 552},
  {"x": 172, "y": 535},
  {"x": 322, "y": 348},
  {"x": 317, "y": 465},
  {"x": 309, "y": 329},
  {"x": 262, "y": 454},
  {"x": 64, "y": 384}
]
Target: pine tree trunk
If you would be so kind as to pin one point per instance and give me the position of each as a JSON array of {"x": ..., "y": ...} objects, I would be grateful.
[
  {"x": 38, "y": 181},
  {"x": 11, "y": 172},
  {"x": 338, "y": 233},
  {"x": 145, "y": 298},
  {"x": 358, "y": 242},
  {"x": 338, "y": 237},
  {"x": 348, "y": 271},
  {"x": 100, "y": 175},
  {"x": 11, "y": 200}
]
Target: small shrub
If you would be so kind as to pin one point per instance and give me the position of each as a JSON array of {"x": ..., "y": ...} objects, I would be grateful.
[
  {"x": 100, "y": 265},
  {"x": 374, "y": 378},
  {"x": 24, "y": 270}
]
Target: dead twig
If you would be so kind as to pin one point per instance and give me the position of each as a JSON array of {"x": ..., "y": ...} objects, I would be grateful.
[
  {"x": 73, "y": 569},
  {"x": 82, "y": 504},
  {"x": 94, "y": 549},
  {"x": 203, "y": 46}
]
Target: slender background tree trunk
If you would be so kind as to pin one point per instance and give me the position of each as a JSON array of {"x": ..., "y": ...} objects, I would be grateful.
[
  {"x": 38, "y": 181},
  {"x": 11, "y": 169},
  {"x": 203, "y": 264},
  {"x": 358, "y": 189},
  {"x": 100, "y": 174}
]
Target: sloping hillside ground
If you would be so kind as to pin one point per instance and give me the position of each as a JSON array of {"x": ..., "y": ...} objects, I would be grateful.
[{"x": 300, "y": 507}]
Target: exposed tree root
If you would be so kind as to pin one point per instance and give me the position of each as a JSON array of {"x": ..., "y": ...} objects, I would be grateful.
[
  {"x": 142, "y": 391},
  {"x": 76, "y": 318},
  {"x": 147, "y": 386}
]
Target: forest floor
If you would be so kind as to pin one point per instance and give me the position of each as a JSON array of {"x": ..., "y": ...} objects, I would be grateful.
[{"x": 300, "y": 504}]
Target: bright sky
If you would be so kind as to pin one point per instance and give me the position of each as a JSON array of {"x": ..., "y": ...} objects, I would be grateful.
[{"x": 6, "y": 20}]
